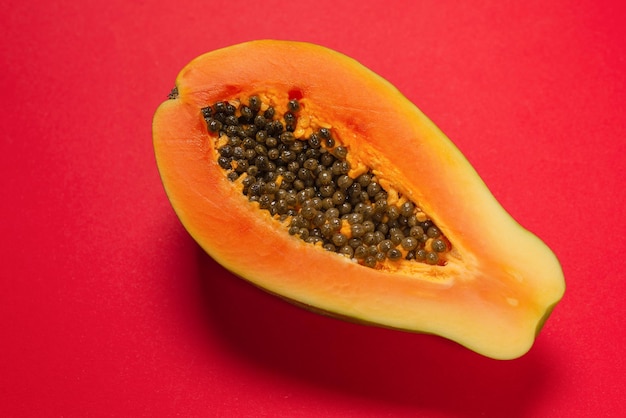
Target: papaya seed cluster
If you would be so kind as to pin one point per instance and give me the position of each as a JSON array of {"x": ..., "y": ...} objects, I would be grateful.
[{"x": 304, "y": 182}]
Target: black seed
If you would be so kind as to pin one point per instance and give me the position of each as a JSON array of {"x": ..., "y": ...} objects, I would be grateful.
[
  {"x": 262, "y": 162},
  {"x": 344, "y": 181},
  {"x": 287, "y": 138},
  {"x": 370, "y": 261},
  {"x": 373, "y": 189},
  {"x": 327, "y": 159},
  {"x": 214, "y": 125},
  {"x": 220, "y": 107},
  {"x": 271, "y": 187},
  {"x": 385, "y": 245},
  {"x": 319, "y": 219},
  {"x": 383, "y": 228},
  {"x": 433, "y": 232},
  {"x": 393, "y": 212},
  {"x": 269, "y": 113},
  {"x": 372, "y": 249},
  {"x": 355, "y": 242},
  {"x": 409, "y": 243},
  {"x": 325, "y": 177},
  {"x": 287, "y": 156},
  {"x": 207, "y": 112},
  {"x": 252, "y": 171},
  {"x": 246, "y": 114},
  {"x": 420, "y": 254},
  {"x": 314, "y": 140},
  {"x": 249, "y": 130},
  {"x": 265, "y": 201},
  {"x": 355, "y": 218},
  {"x": 230, "y": 109},
  {"x": 248, "y": 143},
  {"x": 360, "y": 252},
  {"x": 276, "y": 127},
  {"x": 327, "y": 203},
  {"x": 224, "y": 162},
  {"x": 226, "y": 151},
  {"x": 396, "y": 234},
  {"x": 254, "y": 102},
  {"x": 347, "y": 251},
  {"x": 290, "y": 118},
  {"x": 242, "y": 166},
  {"x": 334, "y": 224},
  {"x": 233, "y": 130},
  {"x": 256, "y": 189},
  {"x": 304, "y": 174},
  {"x": 364, "y": 179},
  {"x": 220, "y": 116},
  {"x": 369, "y": 238},
  {"x": 439, "y": 245},
  {"x": 310, "y": 164},
  {"x": 332, "y": 213},
  {"x": 273, "y": 154},
  {"x": 293, "y": 105},
  {"x": 261, "y": 136},
  {"x": 247, "y": 182},
  {"x": 298, "y": 147},
  {"x": 340, "y": 167},
  {"x": 327, "y": 190},
  {"x": 271, "y": 142},
  {"x": 369, "y": 226},
  {"x": 339, "y": 239},
  {"x": 232, "y": 120},
  {"x": 345, "y": 207},
  {"x": 260, "y": 121},
  {"x": 341, "y": 152},
  {"x": 260, "y": 149},
  {"x": 432, "y": 258},
  {"x": 417, "y": 232},
  {"x": 357, "y": 230},
  {"x": 394, "y": 254},
  {"x": 378, "y": 237}
]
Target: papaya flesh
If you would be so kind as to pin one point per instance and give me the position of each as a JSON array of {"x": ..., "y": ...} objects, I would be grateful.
[{"x": 477, "y": 278}]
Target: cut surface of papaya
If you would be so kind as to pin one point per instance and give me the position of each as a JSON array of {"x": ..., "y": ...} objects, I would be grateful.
[{"x": 305, "y": 173}]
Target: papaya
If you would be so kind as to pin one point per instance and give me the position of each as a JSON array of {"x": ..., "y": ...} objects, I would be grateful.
[{"x": 305, "y": 173}]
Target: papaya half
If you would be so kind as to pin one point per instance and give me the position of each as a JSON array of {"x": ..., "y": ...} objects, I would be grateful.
[{"x": 305, "y": 173}]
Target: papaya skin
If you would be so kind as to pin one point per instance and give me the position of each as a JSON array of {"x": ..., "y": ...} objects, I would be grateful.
[{"x": 500, "y": 281}]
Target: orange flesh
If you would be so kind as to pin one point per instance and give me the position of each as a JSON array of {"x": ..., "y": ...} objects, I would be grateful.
[{"x": 500, "y": 281}]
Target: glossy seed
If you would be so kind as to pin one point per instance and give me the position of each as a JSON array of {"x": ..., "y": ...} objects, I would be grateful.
[
  {"x": 438, "y": 245},
  {"x": 433, "y": 232},
  {"x": 394, "y": 254},
  {"x": 340, "y": 239},
  {"x": 293, "y": 105},
  {"x": 409, "y": 243},
  {"x": 432, "y": 258}
]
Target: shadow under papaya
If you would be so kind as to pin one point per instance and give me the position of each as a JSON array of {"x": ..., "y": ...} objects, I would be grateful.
[{"x": 414, "y": 370}]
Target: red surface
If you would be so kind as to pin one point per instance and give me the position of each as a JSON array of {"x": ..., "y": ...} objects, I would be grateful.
[{"x": 108, "y": 308}]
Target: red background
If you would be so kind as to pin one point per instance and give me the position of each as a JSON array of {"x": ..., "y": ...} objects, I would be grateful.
[{"x": 108, "y": 307}]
